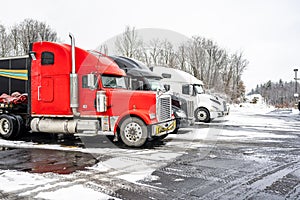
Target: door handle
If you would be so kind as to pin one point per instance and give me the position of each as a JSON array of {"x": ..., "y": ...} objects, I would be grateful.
[{"x": 39, "y": 98}]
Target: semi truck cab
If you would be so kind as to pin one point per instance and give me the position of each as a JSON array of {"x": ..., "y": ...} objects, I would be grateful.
[
  {"x": 142, "y": 78},
  {"x": 207, "y": 107}
]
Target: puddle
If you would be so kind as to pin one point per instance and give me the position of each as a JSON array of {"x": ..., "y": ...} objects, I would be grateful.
[{"x": 44, "y": 160}]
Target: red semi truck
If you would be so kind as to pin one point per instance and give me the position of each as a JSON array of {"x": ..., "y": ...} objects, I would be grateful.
[{"x": 69, "y": 90}]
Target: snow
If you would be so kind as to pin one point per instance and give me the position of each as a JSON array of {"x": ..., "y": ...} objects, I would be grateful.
[
  {"x": 13, "y": 180},
  {"x": 73, "y": 192},
  {"x": 136, "y": 165}
]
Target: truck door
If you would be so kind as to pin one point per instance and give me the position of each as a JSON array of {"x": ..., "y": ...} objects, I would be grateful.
[
  {"x": 46, "y": 89},
  {"x": 50, "y": 85},
  {"x": 87, "y": 94}
]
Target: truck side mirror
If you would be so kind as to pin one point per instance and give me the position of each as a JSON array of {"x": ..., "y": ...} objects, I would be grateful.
[
  {"x": 167, "y": 87},
  {"x": 192, "y": 90},
  {"x": 141, "y": 85},
  {"x": 91, "y": 81},
  {"x": 101, "y": 101},
  {"x": 128, "y": 82}
]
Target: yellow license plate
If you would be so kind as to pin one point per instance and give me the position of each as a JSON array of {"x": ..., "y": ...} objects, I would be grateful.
[{"x": 161, "y": 129}]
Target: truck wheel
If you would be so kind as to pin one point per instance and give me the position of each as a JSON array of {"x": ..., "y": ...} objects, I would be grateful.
[
  {"x": 202, "y": 115},
  {"x": 8, "y": 127},
  {"x": 133, "y": 132},
  {"x": 20, "y": 125}
]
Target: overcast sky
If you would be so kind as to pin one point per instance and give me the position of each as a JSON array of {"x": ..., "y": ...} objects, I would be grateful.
[{"x": 267, "y": 31}]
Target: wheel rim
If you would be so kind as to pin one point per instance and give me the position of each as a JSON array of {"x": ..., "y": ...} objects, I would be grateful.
[
  {"x": 201, "y": 115},
  {"x": 4, "y": 126},
  {"x": 133, "y": 132}
]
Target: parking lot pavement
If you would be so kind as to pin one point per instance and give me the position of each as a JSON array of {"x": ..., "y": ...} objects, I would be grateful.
[{"x": 246, "y": 155}]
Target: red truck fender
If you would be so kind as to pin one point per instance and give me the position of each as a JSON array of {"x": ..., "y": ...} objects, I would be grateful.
[{"x": 142, "y": 114}]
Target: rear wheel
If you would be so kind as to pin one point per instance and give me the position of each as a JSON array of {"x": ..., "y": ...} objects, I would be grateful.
[
  {"x": 133, "y": 132},
  {"x": 9, "y": 127},
  {"x": 202, "y": 115}
]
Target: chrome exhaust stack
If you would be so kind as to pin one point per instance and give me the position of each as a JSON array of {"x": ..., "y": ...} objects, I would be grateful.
[{"x": 73, "y": 80}]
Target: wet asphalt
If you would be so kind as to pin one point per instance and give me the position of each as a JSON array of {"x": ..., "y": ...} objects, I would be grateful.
[{"x": 221, "y": 169}]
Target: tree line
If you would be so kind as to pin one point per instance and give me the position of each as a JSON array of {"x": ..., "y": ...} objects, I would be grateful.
[
  {"x": 15, "y": 40},
  {"x": 280, "y": 94},
  {"x": 220, "y": 70}
]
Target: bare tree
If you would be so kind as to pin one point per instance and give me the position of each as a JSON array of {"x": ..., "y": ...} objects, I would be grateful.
[
  {"x": 197, "y": 57},
  {"x": 28, "y": 31},
  {"x": 128, "y": 43},
  {"x": 16, "y": 46},
  {"x": 103, "y": 49},
  {"x": 4, "y": 42},
  {"x": 154, "y": 50},
  {"x": 182, "y": 55},
  {"x": 203, "y": 58},
  {"x": 167, "y": 54}
]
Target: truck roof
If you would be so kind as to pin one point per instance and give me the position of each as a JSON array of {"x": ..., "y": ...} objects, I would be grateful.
[
  {"x": 134, "y": 68},
  {"x": 84, "y": 59},
  {"x": 176, "y": 75}
]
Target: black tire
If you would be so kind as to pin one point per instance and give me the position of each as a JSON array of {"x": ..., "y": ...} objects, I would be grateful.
[
  {"x": 20, "y": 125},
  {"x": 133, "y": 132},
  {"x": 202, "y": 115},
  {"x": 9, "y": 127}
]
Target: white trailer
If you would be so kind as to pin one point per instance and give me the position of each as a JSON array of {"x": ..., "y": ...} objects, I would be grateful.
[{"x": 207, "y": 107}]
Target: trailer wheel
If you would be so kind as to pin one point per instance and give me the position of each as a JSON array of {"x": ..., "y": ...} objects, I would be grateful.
[
  {"x": 133, "y": 132},
  {"x": 202, "y": 115},
  {"x": 8, "y": 127}
]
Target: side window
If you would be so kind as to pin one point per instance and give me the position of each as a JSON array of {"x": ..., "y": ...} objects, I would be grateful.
[
  {"x": 84, "y": 81},
  {"x": 47, "y": 58},
  {"x": 89, "y": 81},
  {"x": 186, "y": 89}
]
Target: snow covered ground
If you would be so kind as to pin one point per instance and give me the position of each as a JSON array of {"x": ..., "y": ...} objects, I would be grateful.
[{"x": 125, "y": 167}]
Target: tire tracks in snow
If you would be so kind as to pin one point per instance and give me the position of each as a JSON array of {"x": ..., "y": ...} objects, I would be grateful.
[{"x": 262, "y": 181}]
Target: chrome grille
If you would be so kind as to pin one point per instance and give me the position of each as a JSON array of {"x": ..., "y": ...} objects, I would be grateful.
[
  {"x": 164, "y": 108},
  {"x": 190, "y": 109}
]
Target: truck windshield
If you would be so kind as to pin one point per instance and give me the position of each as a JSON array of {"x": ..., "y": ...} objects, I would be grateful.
[
  {"x": 155, "y": 85},
  {"x": 113, "y": 81},
  {"x": 199, "y": 89}
]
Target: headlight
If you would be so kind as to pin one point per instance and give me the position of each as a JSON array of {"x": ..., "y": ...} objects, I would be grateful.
[
  {"x": 152, "y": 115},
  {"x": 180, "y": 113}
]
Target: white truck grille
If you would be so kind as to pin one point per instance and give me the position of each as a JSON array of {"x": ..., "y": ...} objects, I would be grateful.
[
  {"x": 190, "y": 109},
  {"x": 164, "y": 108}
]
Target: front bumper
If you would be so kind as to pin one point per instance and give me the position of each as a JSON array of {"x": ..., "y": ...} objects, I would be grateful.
[
  {"x": 184, "y": 122},
  {"x": 162, "y": 128},
  {"x": 216, "y": 114}
]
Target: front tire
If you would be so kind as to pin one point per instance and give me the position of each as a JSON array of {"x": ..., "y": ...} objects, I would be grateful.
[
  {"x": 133, "y": 132},
  {"x": 202, "y": 115},
  {"x": 9, "y": 127}
]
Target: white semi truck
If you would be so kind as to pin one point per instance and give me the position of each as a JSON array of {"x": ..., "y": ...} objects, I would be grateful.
[{"x": 207, "y": 107}]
